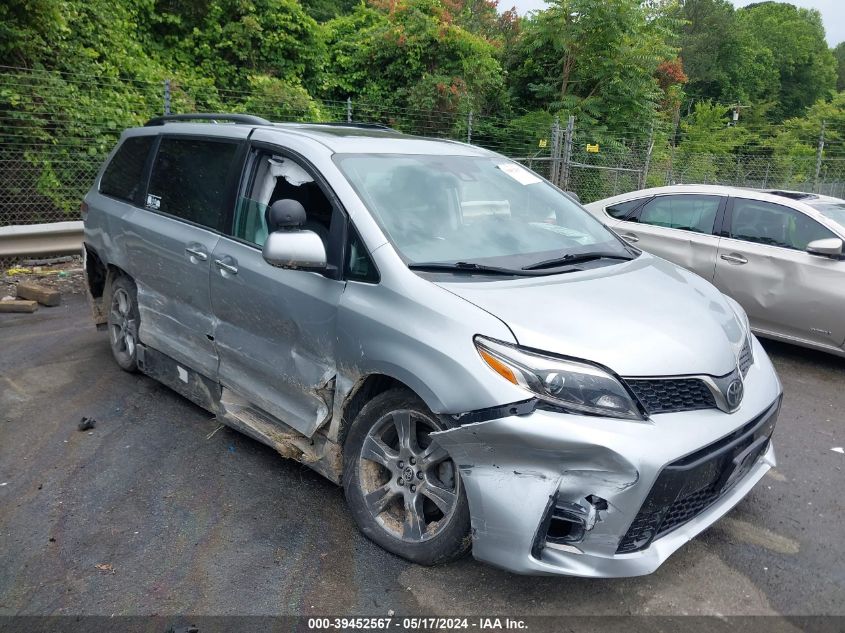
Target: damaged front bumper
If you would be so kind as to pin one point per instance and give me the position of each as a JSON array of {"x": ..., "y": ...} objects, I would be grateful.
[{"x": 556, "y": 493}]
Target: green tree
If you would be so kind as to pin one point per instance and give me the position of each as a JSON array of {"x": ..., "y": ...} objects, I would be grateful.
[
  {"x": 707, "y": 143},
  {"x": 839, "y": 54},
  {"x": 414, "y": 61},
  {"x": 91, "y": 77},
  {"x": 28, "y": 28},
  {"x": 799, "y": 136},
  {"x": 482, "y": 17},
  {"x": 796, "y": 39},
  {"x": 722, "y": 59},
  {"x": 323, "y": 10},
  {"x": 233, "y": 40},
  {"x": 596, "y": 59}
]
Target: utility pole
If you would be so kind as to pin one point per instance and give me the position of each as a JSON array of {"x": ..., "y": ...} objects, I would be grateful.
[
  {"x": 676, "y": 122},
  {"x": 567, "y": 152},
  {"x": 554, "y": 173},
  {"x": 166, "y": 96},
  {"x": 349, "y": 109},
  {"x": 469, "y": 127},
  {"x": 649, "y": 150},
  {"x": 819, "y": 154},
  {"x": 736, "y": 110}
]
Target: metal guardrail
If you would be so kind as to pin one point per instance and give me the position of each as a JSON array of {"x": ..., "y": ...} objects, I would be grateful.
[{"x": 55, "y": 238}]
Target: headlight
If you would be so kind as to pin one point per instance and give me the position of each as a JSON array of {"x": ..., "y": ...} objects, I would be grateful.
[
  {"x": 741, "y": 315},
  {"x": 569, "y": 384}
]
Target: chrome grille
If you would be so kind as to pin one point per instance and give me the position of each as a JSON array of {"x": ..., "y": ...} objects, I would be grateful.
[{"x": 665, "y": 395}]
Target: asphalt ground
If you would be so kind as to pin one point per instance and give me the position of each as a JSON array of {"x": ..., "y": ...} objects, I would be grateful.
[{"x": 157, "y": 511}]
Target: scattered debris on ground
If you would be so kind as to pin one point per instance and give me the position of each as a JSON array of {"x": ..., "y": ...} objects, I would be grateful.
[
  {"x": 86, "y": 424},
  {"x": 62, "y": 275},
  {"x": 106, "y": 567},
  {"x": 210, "y": 435},
  {"x": 40, "y": 293},
  {"x": 18, "y": 305}
]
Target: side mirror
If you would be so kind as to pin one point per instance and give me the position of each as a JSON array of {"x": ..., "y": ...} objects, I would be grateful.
[
  {"x": 295, "y": 249},
  {"x": 574, "y": 196},
  {"x": 829, "y": 247}
]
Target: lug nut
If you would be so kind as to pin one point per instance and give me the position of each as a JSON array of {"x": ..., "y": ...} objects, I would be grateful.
[
  {"x": 413, "y": 488},
  {"x": 413, "y": 461},
  {"x": 401, "y": 482},
  {"x": 401, "y": 464},
  {"x": 419, "y": 474}
]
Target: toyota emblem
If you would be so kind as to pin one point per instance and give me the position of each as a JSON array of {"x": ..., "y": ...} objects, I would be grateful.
[{"x": 734, "y": 394}]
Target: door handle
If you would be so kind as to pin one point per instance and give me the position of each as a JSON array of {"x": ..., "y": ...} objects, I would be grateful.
[
  {"x": 223, "y": 265},
  {"x": 196, "y": 252},
  {"x": 734, "y": 258},
  {"x": 631, "y": 237}
]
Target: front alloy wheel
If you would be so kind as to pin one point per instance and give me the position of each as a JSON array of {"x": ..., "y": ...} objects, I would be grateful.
[
  {"x": 403, "y": 488},
  {"x": 408, "y": 481}
]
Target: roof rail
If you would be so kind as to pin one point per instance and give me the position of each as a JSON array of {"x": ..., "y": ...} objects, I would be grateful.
[{"x": 214, "y": 117}]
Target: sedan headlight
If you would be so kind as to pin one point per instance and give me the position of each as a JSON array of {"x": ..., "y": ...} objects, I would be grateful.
[
  {"x": 741, "y": 315},
  {"x": 570, "y": 384}
]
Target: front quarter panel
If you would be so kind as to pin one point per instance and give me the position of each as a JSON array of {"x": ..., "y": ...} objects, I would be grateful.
[{"x": 414, "y": 331}]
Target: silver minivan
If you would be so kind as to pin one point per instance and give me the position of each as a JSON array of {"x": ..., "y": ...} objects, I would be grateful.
[{"x": 478, "y": 361}]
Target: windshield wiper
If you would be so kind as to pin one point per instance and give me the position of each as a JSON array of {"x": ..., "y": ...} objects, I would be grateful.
[
  {"x": 464, "y": 267},
  {"x": 579, "y": 258}
]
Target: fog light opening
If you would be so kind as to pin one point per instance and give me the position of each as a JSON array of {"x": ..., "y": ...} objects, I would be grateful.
[
  {"x": 565, "y": 530},
  {"x": 567, "y": 523}
]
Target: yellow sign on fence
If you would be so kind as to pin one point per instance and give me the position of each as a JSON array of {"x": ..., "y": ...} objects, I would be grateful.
[
  {"x": 593, "y": 149},
  {"x": 543, "y": 142}
]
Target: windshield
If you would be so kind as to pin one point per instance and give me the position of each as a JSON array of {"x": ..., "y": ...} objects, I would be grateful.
[
  {"x": 833, "y": 210},
  {"x": 483, "y": 210}
]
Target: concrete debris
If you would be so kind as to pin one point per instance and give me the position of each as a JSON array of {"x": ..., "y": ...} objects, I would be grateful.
[
  {"x": 18, "y": 305},
  {"x": 34, "y": 292}
]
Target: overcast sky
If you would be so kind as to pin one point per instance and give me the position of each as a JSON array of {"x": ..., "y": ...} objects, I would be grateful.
[{"x": 834, "y": 21}]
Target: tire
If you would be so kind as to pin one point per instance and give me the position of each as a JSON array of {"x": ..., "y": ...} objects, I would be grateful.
[
  {"x": 404, "y": 491},
  {"x": 123, "y": 320}
]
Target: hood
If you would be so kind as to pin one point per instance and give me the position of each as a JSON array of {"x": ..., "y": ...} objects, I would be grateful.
[{"x": 646, "y": 317}]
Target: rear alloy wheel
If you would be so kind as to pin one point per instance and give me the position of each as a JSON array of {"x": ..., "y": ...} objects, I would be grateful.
[
  {"x": 123, "y": 323},
  {"x": 403, "y": 488}
]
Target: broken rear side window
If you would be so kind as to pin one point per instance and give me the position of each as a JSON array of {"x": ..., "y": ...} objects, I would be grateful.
[{"x": 123, "y": 177}]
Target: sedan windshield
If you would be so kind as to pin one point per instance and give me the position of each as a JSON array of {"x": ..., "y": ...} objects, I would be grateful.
[
  {"x": 833, "y": 210},
  {"x": 485, "y": 210}
]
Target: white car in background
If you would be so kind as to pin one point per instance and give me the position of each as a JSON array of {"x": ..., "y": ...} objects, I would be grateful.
[{"x": 778, "y": 253}]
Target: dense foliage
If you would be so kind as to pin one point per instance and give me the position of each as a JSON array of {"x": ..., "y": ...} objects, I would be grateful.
[
  {"x": 614, "y": 63},
  {"x": 678, "y": 71}
]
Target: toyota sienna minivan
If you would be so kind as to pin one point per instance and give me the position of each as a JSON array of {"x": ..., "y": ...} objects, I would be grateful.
[{"x": 478, "y": 361}]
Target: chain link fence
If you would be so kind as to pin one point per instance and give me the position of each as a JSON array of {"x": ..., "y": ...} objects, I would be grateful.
[{"x": 55, "y": 132}]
